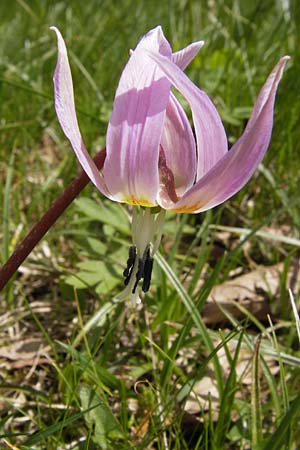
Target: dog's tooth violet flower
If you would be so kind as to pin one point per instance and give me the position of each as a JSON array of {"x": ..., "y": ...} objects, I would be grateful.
[{"x": 153, "y": 161}]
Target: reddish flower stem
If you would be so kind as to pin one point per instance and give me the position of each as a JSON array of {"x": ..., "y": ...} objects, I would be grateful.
[{"x": 49, "y": 218}]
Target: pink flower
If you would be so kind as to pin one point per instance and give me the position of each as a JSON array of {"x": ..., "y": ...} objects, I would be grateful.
[{"x": 152, "y": 157}]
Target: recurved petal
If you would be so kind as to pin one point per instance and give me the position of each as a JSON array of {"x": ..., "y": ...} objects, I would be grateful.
[
  {"x": 183, "y": 57},
  {"x": 179, "y": 146},
  {"x": 135, "y": 127},
  {"x": 210, "y": 133},
  {"x": 66, "y": 113},
  {"x": 233, "y": 171}
]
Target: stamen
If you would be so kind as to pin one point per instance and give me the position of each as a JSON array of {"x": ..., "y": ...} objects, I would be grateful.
[
  {"x": 130, "y": 261},
  {"x": 147, "y": 227},
  {"x": 127, "y": 277},
  {"x": 148, "y": 266},
  {"x": 130, "y": 264},
  {"x": 139, "y": 274}
]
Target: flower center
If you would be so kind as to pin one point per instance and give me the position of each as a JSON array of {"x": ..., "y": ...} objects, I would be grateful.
[{"x": 147, "y": 225}]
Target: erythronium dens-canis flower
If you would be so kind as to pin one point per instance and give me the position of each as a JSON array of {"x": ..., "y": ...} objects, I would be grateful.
[{"x": 153, "y": 160}]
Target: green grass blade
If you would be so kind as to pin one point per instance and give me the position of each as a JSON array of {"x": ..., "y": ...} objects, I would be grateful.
[
  {"x": 279, "y": 437},
  {"x": 49, "y": 431},
  {"x": 256, "y": 416},
  {"x": 227, "y": 399},
  {"x": 195, "y": 315}
]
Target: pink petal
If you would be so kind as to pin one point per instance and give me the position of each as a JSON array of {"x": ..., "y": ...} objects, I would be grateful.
[
  {"x": 210, "y": 133},
  {"x": 179, "y": 146},
  {"x": 183, "y": 57},
  {"x": 135, "y": 127},
  {"x": 233, "y": 171},
  {"x": 66, "y": 113}
]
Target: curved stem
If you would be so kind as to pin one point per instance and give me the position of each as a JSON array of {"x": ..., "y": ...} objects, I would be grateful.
[{"x": 45, "y": 223}]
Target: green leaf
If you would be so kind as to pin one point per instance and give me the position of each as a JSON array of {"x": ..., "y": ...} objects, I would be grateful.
[
  {"x": 110, "y": 214},
  {"x": 100, "y": 419},
  {"x": 97, "y": 246},
  {"x": 93, "y": 273}
]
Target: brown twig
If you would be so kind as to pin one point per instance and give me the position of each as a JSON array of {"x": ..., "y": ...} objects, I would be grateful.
[{"x": 49, "y": 218}]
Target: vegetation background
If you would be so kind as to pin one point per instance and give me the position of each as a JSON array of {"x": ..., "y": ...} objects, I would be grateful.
[{"x": 79, "y": 370}]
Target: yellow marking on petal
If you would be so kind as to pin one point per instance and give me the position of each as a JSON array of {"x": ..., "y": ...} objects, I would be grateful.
[
  {"x": 138, "y": 201},
  {"x": 188, "y": 209}
]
